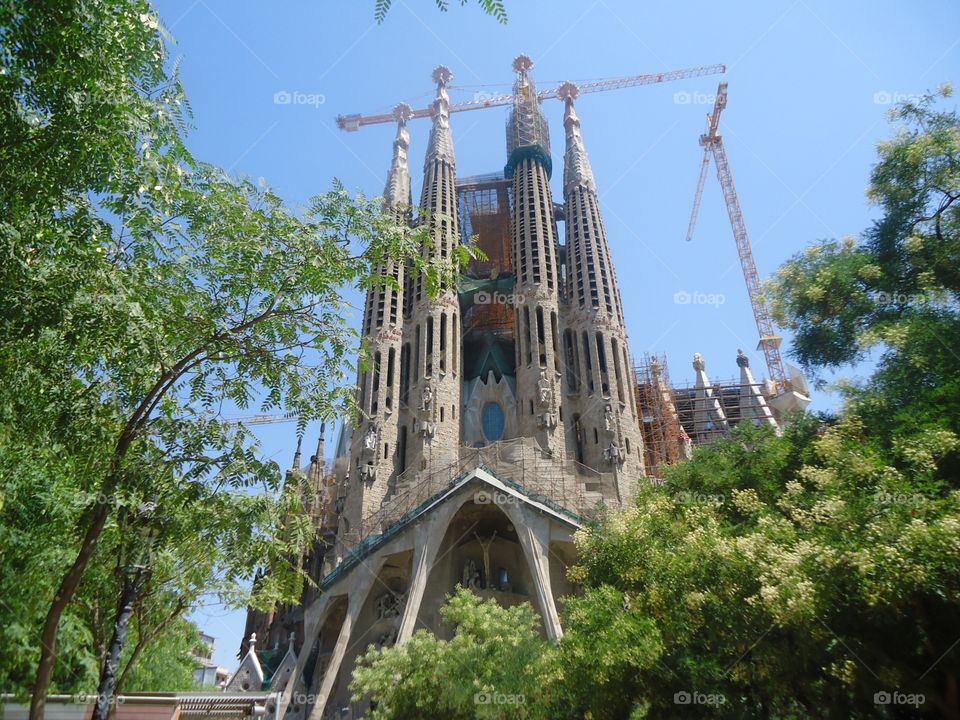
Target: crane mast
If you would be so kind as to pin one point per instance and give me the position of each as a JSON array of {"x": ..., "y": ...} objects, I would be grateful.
[
  {"x": 769, "y": 343},
  {"x": 352, "y": 123}
]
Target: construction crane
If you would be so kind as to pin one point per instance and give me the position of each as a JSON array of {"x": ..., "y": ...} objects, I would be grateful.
[
  {"x": 786, "y": 395},
  {"x": 352, "y": 123},
  {"x": 261, "y": 419}
]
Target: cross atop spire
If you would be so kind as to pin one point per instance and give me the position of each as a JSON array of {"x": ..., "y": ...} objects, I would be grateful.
[
  {"x": 576, "y": 164},
  {"x": 440, "y": 146}
]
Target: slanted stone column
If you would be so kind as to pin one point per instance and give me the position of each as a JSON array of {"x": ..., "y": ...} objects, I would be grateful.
[
  {"x": 534, "y": 533},
  {"x": 430, "y": 533},
  {"x": 753, "y": 405},
  {"x": 709, "y": 419}
]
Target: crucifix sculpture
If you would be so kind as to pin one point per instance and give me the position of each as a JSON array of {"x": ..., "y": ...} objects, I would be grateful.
[{"x": 485, "y": 546}]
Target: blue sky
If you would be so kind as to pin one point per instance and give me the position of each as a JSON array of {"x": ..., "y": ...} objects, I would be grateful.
[{"x": 810, "y": 85}]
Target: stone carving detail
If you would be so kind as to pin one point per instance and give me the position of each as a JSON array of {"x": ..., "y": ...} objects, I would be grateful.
[
  {"x": 386, "y": 639},
  {"x": 698, "y": 362},
  {"x": 609, "y": 421},
  {"x": 390, "y": 605},
  {"x": 367, "y": 472},
  {"x": 614, "y": 454},
  {"x": 370, "y": 442},
  {"x": 426, "y": 425},
  {"x": 546, "y": 418},
  {"x": 426, "y": 399},
  {"x": 485, "y": 546},
  {"x": 471, "y": 576}
]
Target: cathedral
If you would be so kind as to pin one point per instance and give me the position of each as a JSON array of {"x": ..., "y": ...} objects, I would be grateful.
[{"x": 495, "y": 417}]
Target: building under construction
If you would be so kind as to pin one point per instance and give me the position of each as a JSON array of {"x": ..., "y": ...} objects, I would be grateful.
[
  {"x": 496, "y": 418},
  {"x": 677, "y": 418}
]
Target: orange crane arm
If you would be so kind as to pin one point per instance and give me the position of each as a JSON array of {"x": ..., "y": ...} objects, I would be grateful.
[{"x": 352, "y": 123}]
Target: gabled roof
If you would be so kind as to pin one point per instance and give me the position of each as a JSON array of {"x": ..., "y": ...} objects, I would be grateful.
[{"x": 480, "y": 475}]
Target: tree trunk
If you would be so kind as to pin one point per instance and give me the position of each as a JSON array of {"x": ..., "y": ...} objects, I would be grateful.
[
  {"x": 145, "y": 639},
  {"x": 68, "y": 586},
  {"x": 108, "y": 673}
]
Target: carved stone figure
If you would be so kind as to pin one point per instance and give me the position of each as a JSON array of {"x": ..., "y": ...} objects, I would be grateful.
[
  {"x": 388, "y": 605},
  {"x": 426, "y": 398},
  {"x": 698, "y": 362},
  {"x": 608, "y": 419},
  {"x": 370, "y": 439},
  {"x": 613, "y": 454},
  {"x": 544, "y": 391},
  {"x": 471, "y": 576}
]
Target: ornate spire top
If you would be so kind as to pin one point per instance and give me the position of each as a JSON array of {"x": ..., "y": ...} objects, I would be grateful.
[
  {"x": 296, "y": 463},
  {"x": 698, "y": 362},
  {"x": 522, "y": 65},
  {"x": 527, "y": 131},
  {"x": 397, "y": 190},
  {"x": 576, "y": 164},
  {"x": 742, "y": 359},
  {"x": 440, "y": 146}
]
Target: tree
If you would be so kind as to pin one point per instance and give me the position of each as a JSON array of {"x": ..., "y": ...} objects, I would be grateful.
[
  {"x": 494, "y": 8},
  {"x": 895, "y": 291},
  {"x": 145, "y": 292},
  {"x": 491, "y": 668}
]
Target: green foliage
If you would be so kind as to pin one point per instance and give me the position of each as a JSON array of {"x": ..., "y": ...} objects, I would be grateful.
[
  {"x": 896, "y": 290},
  {"x": 494, "y": 667},
  {"x": 495, "y": 8},
  {"x": 146, "y": 295}
]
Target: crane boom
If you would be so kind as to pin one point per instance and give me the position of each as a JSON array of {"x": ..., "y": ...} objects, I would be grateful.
[
  {"x": 698, "y": 195},
  {"x": 712, "y": 144},
  {"x": 352, "y": 123}
]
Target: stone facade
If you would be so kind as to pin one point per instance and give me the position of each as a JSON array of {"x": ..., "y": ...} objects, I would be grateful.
[{"x": 494, "y": 416}]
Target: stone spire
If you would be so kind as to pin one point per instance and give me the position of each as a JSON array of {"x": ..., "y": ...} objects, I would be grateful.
[
  {"x": 601, "y": 381},
  {"x": 397, "y": 191},
  {"x": 528, "y": 134},
  {"x": 709, "y": 419},
  {"x": 429, "y": 399},
  {"x": 753, "y": 405},
  {"x": 440, "y": 146},
  {"x": 576, "y": 164},
  {"x": 296, "y": 455}
]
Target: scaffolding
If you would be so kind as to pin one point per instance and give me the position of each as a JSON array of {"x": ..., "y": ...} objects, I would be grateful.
[
  {"x": 663, "y": 436},
  {"x": 730, "y": 394},
  {"x": 675, "y": 418},
  {"x": 484, "y": 205}
]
